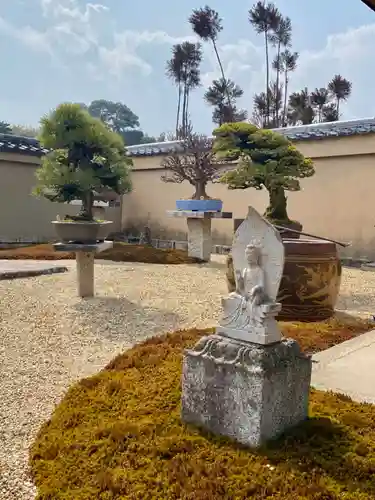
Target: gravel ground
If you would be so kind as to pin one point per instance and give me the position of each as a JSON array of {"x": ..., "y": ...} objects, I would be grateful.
[{"x": 49, "y": 337}]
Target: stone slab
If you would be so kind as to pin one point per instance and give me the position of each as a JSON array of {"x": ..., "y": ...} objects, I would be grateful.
[
  {"x": 264, "y": 336},
  {"x": 12, "y": 269},
  {"x": 369, "y": 266},
  {"x": 348, "y": 368},
  {"x": 75, "y": 247},
  {"x": 246, "y": 392},
  {"x": 199, "y": 215}
]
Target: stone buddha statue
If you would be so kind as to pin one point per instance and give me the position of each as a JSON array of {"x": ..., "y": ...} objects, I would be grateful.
[{"x": 249, "y": 305}]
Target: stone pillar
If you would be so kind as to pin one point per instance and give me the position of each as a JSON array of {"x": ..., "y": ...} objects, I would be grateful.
[
  {"x": 199, "y": 238},
  {"x": 245, "y": 391},
  {"x": 85, "y": 273},
  {"x": 85, "y": 255}
]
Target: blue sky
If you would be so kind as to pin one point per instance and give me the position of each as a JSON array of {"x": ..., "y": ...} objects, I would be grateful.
[{"x": 73, "y": 50}]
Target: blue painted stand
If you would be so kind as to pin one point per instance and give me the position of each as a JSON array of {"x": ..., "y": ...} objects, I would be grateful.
[{"x": 200, "y": 205}]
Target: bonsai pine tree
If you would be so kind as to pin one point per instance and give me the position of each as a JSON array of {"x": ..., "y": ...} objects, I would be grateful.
[
  {"x": 85, "y": 158},
  {"x": 195, "y": 162},
  {"x": 266, "y": 159}
]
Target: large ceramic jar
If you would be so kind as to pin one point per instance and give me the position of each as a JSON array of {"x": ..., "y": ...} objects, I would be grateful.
[{"x": 311, "y": 280}]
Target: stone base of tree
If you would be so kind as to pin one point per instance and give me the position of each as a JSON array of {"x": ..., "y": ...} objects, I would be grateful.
[
  {"x": 85, "y": 263},
  {"x": 199, "y": 231},
  {"x": 199, "y": 238}
]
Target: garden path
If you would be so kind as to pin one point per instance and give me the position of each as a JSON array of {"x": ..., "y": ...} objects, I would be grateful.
[{"x": 348, "y": 368}]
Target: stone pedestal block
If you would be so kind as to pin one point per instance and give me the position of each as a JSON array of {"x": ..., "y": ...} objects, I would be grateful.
[
  {"x": 199, "y": 230},
  {"x": 85, "y": 274},
  {"x": 199, "y": 238},
  {"x": 244, "y": 391},
  {"x": 85, "y": 254}
]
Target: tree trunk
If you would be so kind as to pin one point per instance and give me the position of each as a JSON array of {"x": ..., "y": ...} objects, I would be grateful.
[
  {"x": 184, "y": 114},
  {"x": 187, "y": 112},
  {"x": 86, "y": 212},
  {"x": 221, "y": 115},
  {"x": 338, "y": 108},
  {"x": 285, "y": 98},
  {"x": 222, "y": 73},
  {"x": 276, "y": 209},
  {"x": 178, "y": 109},
  {"x": 200, "y": 191},
  {"x": 276, "y": 117},
  {"x": 267, "y": 77}
]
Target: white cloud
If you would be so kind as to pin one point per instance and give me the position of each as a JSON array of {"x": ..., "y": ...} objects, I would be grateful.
[
  {"x": 117, "y": 62},
  {"x": 240, "y": 59},
  {"x": 349, "y": 53},
  {"x": 124, "y": 52},
  {"x": 75, "y": 27},
  {"x": 70, "y": 9},
  {"x": 71, "y": 28},
  {"x": 34, "y": 39}
]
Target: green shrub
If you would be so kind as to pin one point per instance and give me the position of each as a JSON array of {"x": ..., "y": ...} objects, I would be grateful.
[
  {"x": 85, "y": 159},
  {"x": 266, "y": 159}
]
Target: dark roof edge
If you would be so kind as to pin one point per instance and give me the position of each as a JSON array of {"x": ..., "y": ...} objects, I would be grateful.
[
  {"x": 314, "y": 131},
  {"x": 22, "y": 145},
  {"x": 31, "y": 146},
  {"x": 370, "y": 4}
]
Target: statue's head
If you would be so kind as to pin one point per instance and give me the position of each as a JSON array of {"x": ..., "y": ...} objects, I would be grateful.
[{"x": 252, "y": 253}]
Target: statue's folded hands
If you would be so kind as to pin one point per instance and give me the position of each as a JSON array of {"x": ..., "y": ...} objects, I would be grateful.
[
  {"x": 249, "y": 304},
  {"x": 258, "y": 256}
]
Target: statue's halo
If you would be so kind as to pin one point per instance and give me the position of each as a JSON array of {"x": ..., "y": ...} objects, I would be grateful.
[{"x": 257, "y": 231}]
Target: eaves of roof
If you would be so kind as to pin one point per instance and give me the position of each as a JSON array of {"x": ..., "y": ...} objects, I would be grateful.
[
  {"x": 21, "y": 145},
  {"x": 314, "y": 131}
]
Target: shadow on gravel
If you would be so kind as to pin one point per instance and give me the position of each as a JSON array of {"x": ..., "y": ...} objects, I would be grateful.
[{"x": 119, "y": 318}]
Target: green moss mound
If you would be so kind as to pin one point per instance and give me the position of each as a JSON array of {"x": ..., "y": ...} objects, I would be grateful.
[
  {"x": 121, "y": 252},
  {"x": 118, "y": 435},
  {"x": 318, "y": 336}
]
